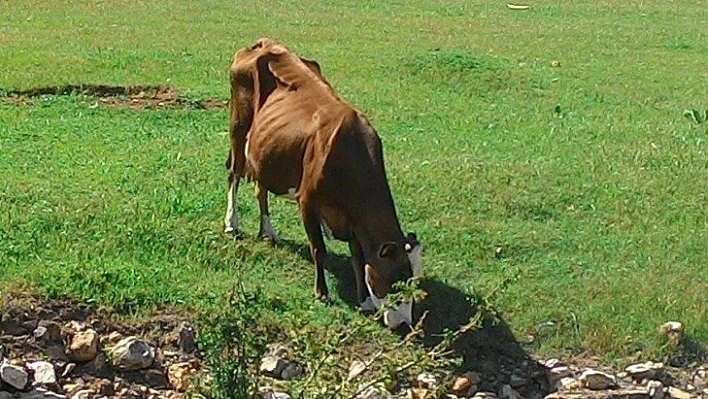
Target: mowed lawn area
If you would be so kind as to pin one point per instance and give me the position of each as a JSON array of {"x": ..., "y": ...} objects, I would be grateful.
[{"x": 542, "y": 156}]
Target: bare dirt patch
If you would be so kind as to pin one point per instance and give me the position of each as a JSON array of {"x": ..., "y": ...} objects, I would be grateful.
[{"x": 135, "y": 97}]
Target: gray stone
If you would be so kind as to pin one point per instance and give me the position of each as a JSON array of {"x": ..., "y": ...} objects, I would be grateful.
[
  {"x": 272, "y": 366},
  {"x": 48, "y": 333},
  {"x": 597, "y": 380},
  {"x": 655, "y": 389},
  {"x": 507, "y": 392},
  {"x": 278, "y": 367},
  {"x": 187, "y": 338},
  {"x": 132, "y": 353},
  {"x": 15, "y": 376},
  {"x": 518, "y": 379},
  {"x": 291, "y": 371}
]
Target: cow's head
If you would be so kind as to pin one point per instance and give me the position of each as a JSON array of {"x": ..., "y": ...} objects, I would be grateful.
[{"x": 396, "y": 263}]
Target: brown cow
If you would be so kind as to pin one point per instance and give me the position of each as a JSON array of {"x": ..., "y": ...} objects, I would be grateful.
[{"x": 294, "y": 136}]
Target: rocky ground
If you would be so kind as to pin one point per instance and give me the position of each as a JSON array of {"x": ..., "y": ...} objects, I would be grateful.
[{"x": 64, "y": 349}]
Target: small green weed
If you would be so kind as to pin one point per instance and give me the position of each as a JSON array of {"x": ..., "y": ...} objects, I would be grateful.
[{"x": 233, "y": 339}]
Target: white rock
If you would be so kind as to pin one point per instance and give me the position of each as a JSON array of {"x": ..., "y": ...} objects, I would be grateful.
[
  {"x": 426, "y": 381},
  {"x": 597, "y": 380},
  {"x": 552, "y": 363},
  {"x": 676, "y": 393},
  {"x": 567, "y": 384},
  {"x": 557, "y": 373},
  {"x": 700, "y": 378},
  {"x": 355, "y": 369},
  {"x": 374, "y": 392},
  {"x": 646, "y": 370},
  {"x": 276, "y": 395},
  {"x": 41, "y": 393},
  {"x": 272, "y": 365},
  {"x": 82, "y": 394},
  {"x": 14, "y": 376},
  {"x": 43, "y": 372},
  {"x": 672, "y": 330},
  {"x": 131, "y": 354}
]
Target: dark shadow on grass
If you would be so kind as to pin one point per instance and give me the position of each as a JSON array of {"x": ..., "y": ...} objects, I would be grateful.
[
  {"x": 688, "y": 352},
  {"x": 338, "y": 265},
  {"x": 491, "y": 350}
]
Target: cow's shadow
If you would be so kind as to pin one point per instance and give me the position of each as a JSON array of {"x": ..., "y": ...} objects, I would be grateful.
[{"x": 490, "y": 349}]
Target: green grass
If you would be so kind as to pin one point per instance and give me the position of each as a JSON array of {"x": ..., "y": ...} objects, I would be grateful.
[{"x": 587, "y": 174}]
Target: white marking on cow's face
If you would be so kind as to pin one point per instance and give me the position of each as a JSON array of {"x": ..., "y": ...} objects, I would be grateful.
[
  {"x": 391, "y": 317},
  {"x": 231, "y": 218}
]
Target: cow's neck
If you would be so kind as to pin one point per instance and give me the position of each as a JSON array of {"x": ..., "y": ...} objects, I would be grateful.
[{"x": 373, "y": 229}]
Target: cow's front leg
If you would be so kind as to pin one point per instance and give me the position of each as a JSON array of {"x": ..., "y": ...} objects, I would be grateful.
[
  {"x": 311, "y": 220},
  {"x": 231, "y": 218},
  {"x": 362, "y": 294},
  {"x": 266, "y": 231}
]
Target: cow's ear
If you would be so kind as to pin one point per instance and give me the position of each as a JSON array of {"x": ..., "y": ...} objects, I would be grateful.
[
  {"x": 313, "y": 65},
  {"x": 388, "y": 249}
]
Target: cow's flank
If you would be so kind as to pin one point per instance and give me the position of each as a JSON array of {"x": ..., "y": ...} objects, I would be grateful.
[{"x": 294, "y": 136}]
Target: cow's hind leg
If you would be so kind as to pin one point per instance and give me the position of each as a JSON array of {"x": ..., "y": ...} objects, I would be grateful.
[
  {"x": 231, "y": 218},
  {"x": 266, "y": 231},
  {"x": 311, "y": 220}
]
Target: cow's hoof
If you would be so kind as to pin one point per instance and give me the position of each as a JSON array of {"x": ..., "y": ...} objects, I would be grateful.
[
  {"x": 367, "y": 306},
  {"x": 234, "y": 233},
  {"x": 272, "y": 240},
  {"x": 324, "y": 298}
]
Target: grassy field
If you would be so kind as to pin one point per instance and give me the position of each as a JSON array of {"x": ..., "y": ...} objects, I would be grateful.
[{"x": 556, "y": 133}]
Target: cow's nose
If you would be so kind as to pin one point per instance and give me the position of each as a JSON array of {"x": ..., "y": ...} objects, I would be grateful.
[
  {"x": 392, "y": 319},
  {"x": 403, "y": 314}
]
